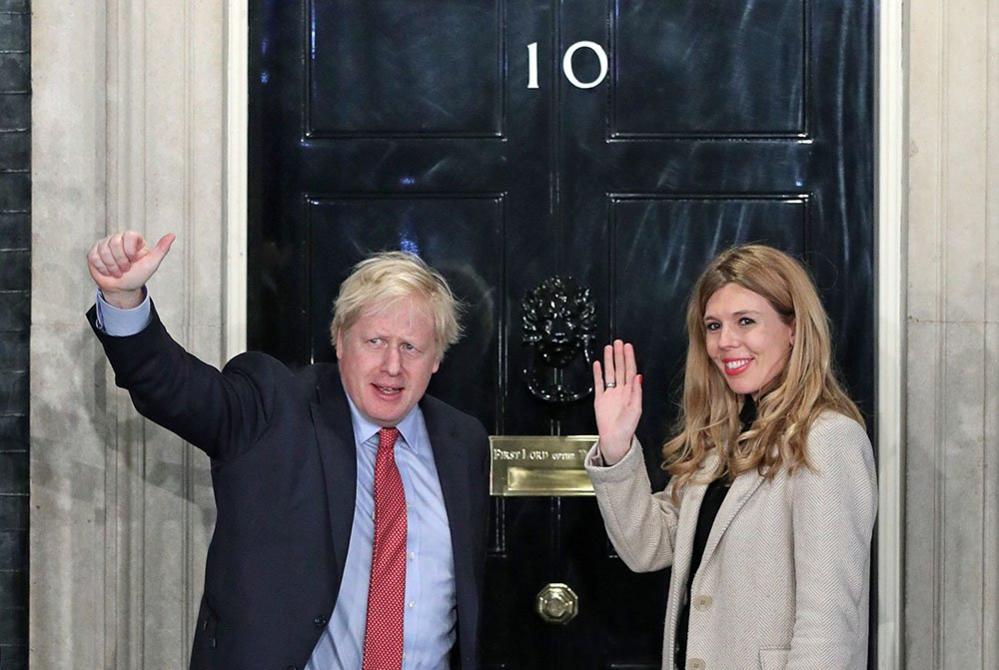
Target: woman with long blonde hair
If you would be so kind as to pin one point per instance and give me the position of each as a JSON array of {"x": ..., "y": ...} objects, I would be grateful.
[{"x": 768, "y": 514}]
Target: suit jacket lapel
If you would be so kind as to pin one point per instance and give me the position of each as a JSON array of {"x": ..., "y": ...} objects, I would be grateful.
[
  {"x": 452, "y": 472},
  {"x": 335, "y": 434}
]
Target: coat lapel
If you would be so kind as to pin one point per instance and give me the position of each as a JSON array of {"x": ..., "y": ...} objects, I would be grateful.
[
  {"x": 690, "y": 508},
  {"x": 338, "y": 454},
  {"x": 742, "y": 488}
]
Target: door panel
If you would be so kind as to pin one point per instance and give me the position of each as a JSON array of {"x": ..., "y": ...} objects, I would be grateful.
[
  {"x": 753, "y": 54},
  {"x": 394, "y": 68},
  {"x": 408, "y": 124}
]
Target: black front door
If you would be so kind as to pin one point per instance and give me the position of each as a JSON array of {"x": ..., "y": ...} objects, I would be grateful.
[{"x": 415, "y": 124}]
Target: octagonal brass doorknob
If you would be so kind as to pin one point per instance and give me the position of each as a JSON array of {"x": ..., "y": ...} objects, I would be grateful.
[{"x": 557, "y": 603}]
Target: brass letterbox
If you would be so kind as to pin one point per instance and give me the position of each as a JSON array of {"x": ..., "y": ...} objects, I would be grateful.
[{"x": 539, "y": 465}]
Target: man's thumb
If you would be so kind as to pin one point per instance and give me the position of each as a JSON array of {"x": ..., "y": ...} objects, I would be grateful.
[{"x": 162, "y": 247}]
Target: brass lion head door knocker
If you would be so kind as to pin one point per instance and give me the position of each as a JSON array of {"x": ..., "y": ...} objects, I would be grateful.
[{"x": 558, "y": 326}]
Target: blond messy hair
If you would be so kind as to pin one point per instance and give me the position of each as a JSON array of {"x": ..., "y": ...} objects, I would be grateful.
[
  {"x": 789, "y": 404},
  {"x": 384, "y": 278}
]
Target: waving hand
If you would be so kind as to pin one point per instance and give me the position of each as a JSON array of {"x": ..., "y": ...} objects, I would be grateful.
[{"x": 617, "y": 399}]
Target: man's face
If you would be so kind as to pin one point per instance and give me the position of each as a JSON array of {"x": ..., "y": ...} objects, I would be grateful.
[{"x": 387, "y": 358}]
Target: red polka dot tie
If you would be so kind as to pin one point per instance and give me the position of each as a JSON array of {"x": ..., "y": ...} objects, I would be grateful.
[{"x": 387, "y": 588}]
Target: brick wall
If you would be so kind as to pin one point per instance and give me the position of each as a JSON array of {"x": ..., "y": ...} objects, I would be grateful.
[{"x": 15, "y": 319}]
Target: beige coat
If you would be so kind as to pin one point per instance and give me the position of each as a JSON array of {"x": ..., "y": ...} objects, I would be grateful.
[{"x": 785, "y": 575}]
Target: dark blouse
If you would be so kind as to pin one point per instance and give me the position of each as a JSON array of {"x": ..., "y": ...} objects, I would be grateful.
[{"x": 714, "y": 495}]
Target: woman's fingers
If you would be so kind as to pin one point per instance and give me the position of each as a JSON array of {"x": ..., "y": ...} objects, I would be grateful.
[
  {"x": 636, "y": 392},
  {"x": 630, "y": 368},
  {"x": 598, "y": 380},
  {"x": 617, "y": 399},
  {"x": 608, "y": 371},
  {"x": 619, "y": 367},
  {"x": 619, "y": 370}
]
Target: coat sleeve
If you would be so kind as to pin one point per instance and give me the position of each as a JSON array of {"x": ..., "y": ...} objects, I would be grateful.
[
  {"x": 221, "y": 413},
  {"x": 834, "y": 503},
  {"x": 641, "y": 524}
]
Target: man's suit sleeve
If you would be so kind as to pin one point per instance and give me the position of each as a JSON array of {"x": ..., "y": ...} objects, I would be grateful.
[
  {"x": 481, "y": 489},
  {"x": 480, "y": 494},
  {"x": 221, "y": 413}
]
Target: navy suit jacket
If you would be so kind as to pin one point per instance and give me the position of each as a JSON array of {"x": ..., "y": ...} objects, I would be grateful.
[{"x": 284, "y": 474}]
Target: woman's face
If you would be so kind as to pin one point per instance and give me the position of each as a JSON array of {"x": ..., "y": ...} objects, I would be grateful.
[{"x": 746, "y": 338}]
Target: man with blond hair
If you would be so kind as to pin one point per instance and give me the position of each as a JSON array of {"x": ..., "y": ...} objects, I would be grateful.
[{"x": 352, "y": 507}]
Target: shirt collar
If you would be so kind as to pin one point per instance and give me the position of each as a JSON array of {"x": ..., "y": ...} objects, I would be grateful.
[{"x": 365, "y": 430}]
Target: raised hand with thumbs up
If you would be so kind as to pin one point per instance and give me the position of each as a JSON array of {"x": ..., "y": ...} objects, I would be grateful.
[{"x": 122, "y": 263}]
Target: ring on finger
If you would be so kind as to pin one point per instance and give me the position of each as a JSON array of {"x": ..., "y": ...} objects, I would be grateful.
[{"x": 609, "y": 385}]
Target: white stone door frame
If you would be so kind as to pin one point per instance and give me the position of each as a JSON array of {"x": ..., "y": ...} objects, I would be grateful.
[
  {"x": 890, "y": 277},
  {"x": 235, "y": 174},
  {"x": 889, "y": 274}
]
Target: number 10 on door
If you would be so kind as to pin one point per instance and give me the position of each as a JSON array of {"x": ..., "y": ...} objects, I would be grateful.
[{"x": 532, "y": 60}]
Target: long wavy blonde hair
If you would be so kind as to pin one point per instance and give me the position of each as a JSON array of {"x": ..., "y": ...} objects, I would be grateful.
[{"x": 788, "y": 404}]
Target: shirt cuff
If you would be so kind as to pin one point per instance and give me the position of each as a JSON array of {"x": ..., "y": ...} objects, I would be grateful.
[{"x": 119, "y": 322}]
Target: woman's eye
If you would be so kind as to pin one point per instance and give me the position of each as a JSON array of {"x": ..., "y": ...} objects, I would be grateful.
[
  {"x": 746, "y": 321},
  {"x": 713, "y": 326}
]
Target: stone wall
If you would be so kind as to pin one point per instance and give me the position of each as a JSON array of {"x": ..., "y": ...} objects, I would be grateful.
[
  {"x": 127, "y": 133},
  {"x": 952, "y": 425}
]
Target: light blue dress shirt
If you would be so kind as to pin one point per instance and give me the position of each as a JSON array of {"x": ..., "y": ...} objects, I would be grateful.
[
  {"x": 122, "y": 322},
  {"x": 430, "y": 616},
  {"x": 429, "y": 619}
]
